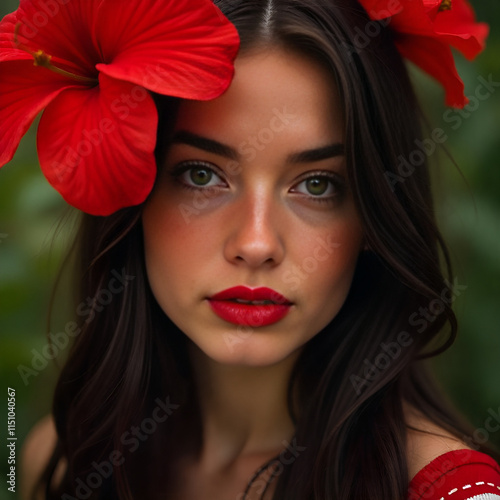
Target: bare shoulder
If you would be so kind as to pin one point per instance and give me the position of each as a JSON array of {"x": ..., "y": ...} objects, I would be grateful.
[
  {"x": 428, "y": 442},
  {"x": 35, "y": 454}
]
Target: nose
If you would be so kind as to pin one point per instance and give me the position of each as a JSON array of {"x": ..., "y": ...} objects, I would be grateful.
[{"x": 254, "y": 232}]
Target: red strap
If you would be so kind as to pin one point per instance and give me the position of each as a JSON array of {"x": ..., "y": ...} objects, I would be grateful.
[{"x": 457, "y": 475}]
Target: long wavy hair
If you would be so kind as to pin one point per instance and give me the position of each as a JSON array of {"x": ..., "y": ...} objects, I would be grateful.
[{"x": 353, "y": 378}]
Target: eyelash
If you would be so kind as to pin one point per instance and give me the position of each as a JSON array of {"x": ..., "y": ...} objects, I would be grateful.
[
  {"x": 191, "y": 165},
  {"x": 335, "y": 180}
]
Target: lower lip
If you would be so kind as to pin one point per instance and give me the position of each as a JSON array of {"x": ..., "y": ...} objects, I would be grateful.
[{"x": 249, "y": 315}]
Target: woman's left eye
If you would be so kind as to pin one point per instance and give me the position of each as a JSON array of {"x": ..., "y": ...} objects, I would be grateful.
[
  {"x": 198, "y": 175},
  {"x": 319, "y": 186}
]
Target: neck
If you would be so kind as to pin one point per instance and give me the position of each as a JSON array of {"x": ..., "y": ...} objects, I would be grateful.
[{"x": 244, "y": 410}]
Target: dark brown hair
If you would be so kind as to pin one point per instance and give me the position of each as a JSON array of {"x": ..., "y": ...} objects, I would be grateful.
[{"x": 354, "y": 377}]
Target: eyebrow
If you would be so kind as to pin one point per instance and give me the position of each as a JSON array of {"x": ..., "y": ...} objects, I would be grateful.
[
  {"x": 216, "y": 147},
  {"x": 312, "y": 155},
  {"x": 209, "y": 145}
]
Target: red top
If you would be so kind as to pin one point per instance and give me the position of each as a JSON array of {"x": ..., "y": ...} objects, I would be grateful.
[{"x": 457, "y": 475}]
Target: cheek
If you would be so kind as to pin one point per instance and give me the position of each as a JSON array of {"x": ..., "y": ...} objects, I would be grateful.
[
  {"x": 326, "y": 263},
  {"x": 336, "y": 244},
  {"x": 176, "y": 249},
  {"x": 168, "y": 231},
  {"x": 163, "y": 237}
]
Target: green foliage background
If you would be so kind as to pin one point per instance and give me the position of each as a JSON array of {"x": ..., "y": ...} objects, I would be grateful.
[{"x": 468, "y": 209}]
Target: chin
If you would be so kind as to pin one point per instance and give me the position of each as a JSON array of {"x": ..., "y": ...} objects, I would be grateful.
[{"x": 254, "y": 351}]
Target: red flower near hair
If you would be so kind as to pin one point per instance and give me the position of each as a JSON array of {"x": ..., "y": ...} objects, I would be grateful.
[
  {"x": 91, "y": 63},
  {"x": 425, "y": 29}
]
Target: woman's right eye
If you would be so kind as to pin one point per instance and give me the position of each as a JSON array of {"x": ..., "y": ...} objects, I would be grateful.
[{"x": 198, "y": 175}]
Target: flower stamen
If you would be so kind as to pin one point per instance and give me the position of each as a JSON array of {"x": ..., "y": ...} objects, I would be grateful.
[
  {"x": 445, "y": 5},
  {"x": 42, "y": 59}
]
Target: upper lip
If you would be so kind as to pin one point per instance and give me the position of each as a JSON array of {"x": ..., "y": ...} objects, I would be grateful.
[{"x": 251, "y": 295}]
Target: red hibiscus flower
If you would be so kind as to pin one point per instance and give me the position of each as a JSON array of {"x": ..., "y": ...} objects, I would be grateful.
[
  {"x": 90, "y": 64},
  {"x": 425, "y": 29}
]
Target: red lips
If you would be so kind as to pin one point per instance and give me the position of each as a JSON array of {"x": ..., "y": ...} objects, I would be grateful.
[{"x": 250, "y": 307}]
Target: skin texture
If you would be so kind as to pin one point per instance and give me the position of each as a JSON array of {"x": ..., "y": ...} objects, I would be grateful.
[{"x": 255, "y": 224}]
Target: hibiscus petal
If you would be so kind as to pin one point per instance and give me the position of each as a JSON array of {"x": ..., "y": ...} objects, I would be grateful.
[
  {"x": 8, "y": 49},
  {"x": 456, "y": 26},
  {"x": 459, "y": 28},
  {"x": 64, "y": 32},
  {"x": 183, "y": 48},
  {"x": 23, "y": 94},
  {"x": 436, "y": 59},
  {"x": 469, "y": 42},
  {"x": 432, "y": 7},
  {"x": 413, "y": 19},
  {"x": 96, "y": 147}
]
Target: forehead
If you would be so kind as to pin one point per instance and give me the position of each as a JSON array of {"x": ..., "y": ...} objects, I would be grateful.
[{"x": 272, "y": 89}]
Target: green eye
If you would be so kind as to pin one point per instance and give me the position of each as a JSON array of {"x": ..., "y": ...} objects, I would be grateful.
[
  {"x": 200, "y": 176},
  {"x": 321, "y": 186},
  {"x": 317, "y": 185}
]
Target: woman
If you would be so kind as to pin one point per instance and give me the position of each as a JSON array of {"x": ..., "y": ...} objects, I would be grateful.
[{"x": 264, "y": 343}]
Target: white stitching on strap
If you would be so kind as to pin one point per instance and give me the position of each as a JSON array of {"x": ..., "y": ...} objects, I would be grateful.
[{"x": 467, "y": 486}]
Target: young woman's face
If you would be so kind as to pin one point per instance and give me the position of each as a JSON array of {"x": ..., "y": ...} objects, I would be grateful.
[{"x": 253, "y": 193}]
